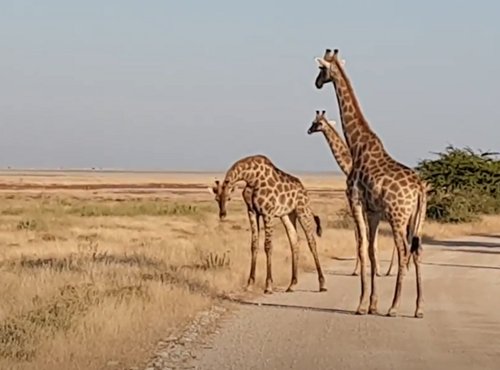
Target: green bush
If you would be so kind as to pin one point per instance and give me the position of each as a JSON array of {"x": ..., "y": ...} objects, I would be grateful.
[{"x": 464, "y": 184}]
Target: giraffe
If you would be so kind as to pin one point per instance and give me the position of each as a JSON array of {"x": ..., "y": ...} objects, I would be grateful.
[
  {"x": 342, "y": 155},
  {"x": 271, "y": 193},
  {"x": 377, "y": 186},
  {"x": 247, "y": 195}
]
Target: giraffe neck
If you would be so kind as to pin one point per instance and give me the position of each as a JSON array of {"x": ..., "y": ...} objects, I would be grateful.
[
  {"x": 339, "y": 149},
  {"x": 240, "y": 171},
  {"x": 355, "y": 126}
]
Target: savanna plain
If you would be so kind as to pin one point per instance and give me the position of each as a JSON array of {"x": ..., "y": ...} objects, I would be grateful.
[{"x": 97, "y": 267}]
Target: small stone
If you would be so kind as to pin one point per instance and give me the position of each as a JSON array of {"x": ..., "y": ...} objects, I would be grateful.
[{"x": 113, "y": 363}]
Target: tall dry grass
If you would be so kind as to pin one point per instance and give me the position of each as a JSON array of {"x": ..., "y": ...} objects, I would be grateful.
[{"x": 97, "y": 278}]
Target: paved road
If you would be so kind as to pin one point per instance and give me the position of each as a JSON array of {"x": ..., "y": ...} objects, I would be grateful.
[{"x": 310, "y": 330}]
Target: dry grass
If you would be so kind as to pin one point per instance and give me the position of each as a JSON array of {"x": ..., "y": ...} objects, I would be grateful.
[{"x": 90, "y": 277}]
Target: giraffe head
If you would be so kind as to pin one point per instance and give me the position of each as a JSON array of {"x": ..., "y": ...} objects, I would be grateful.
[
  {"x": 221, "y": 197},
  {"x": 328, "y": 66},
  {"x": 320, "y": 123}
]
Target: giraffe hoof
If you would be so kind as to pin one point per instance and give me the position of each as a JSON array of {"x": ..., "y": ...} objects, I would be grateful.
[
  {"x": 323, "y": 289},
  {"x": 290, "y": 290},
  {"x": 392, "y": 313},
  {"x": 268, "y": 291},
  {"x": 373, "y": 311},
  {"x": 378, "y": 274},
  {"x": 355, "y": 273},
  {"x": 419, "y": 314},
  {"x": 361, "y": 311}
]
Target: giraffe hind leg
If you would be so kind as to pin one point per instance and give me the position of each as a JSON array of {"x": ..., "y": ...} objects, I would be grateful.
[
  {"x": 292, "y": 239},
  {"x": 307, "y": 223},
  {"x": 416, "y": 252},
  {"x": 402, "y": 246}
]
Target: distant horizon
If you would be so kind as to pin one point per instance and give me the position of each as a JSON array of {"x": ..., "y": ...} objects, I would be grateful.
[{"x": 124, "y": 170}]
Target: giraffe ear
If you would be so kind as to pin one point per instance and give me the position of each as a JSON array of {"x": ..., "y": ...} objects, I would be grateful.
[
  {"x": 322, "y": 62},
  {"x": 342, "y": 62}
]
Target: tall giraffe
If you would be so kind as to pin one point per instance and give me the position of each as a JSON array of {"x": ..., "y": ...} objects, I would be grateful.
[
  {"x": 271, "y": 193},
  {"x": 378, "y": 186},
  {"x": 343, "y": 157}
]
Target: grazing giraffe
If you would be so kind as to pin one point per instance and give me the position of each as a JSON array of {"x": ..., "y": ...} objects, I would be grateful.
[
  {"x": 270, "y": 193},
  {"x": 247, "y": 195},
  {"x": 378, "y": 186},
  {"x": 342, "y": 155}
]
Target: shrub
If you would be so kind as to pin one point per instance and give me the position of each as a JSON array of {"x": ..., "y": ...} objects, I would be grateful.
[{"x": 464, "y": 183}]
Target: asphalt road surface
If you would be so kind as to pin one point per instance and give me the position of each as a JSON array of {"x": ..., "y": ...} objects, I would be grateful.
[{"x": 311, "y": 330}]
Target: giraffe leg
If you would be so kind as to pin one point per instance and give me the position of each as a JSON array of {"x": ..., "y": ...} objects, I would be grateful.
[
  {"x": 393, "y": 257},
  {"x": 361, "y": 233},
  {"x": 373, "y": 223},
  {"x": 356, "y": 268},
  {"x": 268, "y": 247},
  {"x": 408, "y": 262},
  {"x": 401, "y": 244},
  {"x": 373, "y": 242},
  {"x": 419, "y": 312},
  {"x": 253, "y": 218},
  {"x": 291, "y": 232},
  {"x": 356, "y": 237},
  {"x": 306, "y": 220}
]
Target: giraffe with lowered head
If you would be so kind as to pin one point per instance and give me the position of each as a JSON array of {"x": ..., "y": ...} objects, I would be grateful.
[
  {"x": 342, "y": 155},
  {"x": 378, "y": 186},
  {"x": 271, "y": 193}
]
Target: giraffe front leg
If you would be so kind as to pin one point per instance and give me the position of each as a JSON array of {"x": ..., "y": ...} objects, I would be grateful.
[
  {"x": 361, "y": 232},
  {"x": 291, "y": 233},
  {"x": 356, "y": 237},
  {"x": 373, "y": 223},
  {"x": 306, "y": 220},
  {"x": 401, "y": 245},
  {"x": 268, "y": 247},
  {"x": 254, "y": 247}
]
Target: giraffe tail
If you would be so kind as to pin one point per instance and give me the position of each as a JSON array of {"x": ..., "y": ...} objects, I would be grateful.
[
  {"x": 416, "y": 240},
  {"x": 319, "y": 230}
]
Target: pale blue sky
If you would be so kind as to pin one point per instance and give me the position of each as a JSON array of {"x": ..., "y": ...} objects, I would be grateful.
[{"x": 195, "y": 85}]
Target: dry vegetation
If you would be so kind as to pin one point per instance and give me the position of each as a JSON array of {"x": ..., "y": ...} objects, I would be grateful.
[{"x": 92, "y": 274}]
